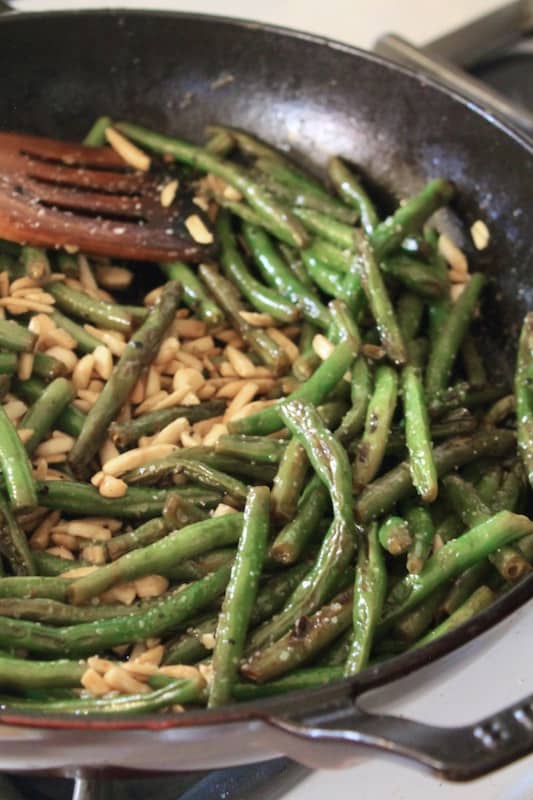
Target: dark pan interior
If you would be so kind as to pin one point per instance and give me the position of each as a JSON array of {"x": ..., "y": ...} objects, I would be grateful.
[{"x": 179, "y": 72}]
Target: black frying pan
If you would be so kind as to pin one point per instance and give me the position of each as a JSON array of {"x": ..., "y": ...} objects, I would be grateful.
[{"x": 177, "y": 73}]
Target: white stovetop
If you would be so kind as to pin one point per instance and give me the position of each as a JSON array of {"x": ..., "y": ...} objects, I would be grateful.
[{"x": 490, "y": 674}]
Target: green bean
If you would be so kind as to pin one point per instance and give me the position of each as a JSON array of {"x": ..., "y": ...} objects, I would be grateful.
[
  {"x": 448, "y": 342},
  {"x": 315, "y": 390},
  {"x": 164, "y": 467},
  {"x": 95, "y": 137},
  {"x": 270, "y": 353},
  {"x": 240, "y": 596},
  {"x": 47, "y": 367},
  {"x": 500, "y": 410},
  {"x": 328, "y": 458},
  {"x": 326, "y": 227},
  {"x": 98, "y": 312},
  {"x": 70, "y": 419},
  {"x": 327, "y": 254},
  {"x": 382, "y": 494},
  {"x": 285, "y": 172},
  {"x": 361, "y": 391},
  {"x": 194, "y": 294},
  {"x": 415, "y": 623},
  {"x": 91, "y": 637},
  {"x": 343, "y": 324},
  {"x": 475, "y": 372},
  {"x": 260, "y": 297},
  {"x": 371, "y": 448},
  {"x": 183, "y": 513},
  {"x": 8, "y": 363},
  {"x": 299, "y": 197},
  {"x": 173, "y": 692},
  {"x": 306, "y": 363},
  {"x": 30, "y": 587},
  {"x": 138, "y": 354},
  {"x": 351, "y": 190},
  {"x": 294, "y": 262},
  {"x": 459, "y": 396},
  {"x": 327, "y": 280},
  {"x": 293, "y": 538},
  {"x": 463, "y": 586},
  {"x": 415, "y": 275},
  {"x": 195, "y": 568},
  {"x": 453, "y": 558},
  {"x": 35, "y": 263},
  {"x": 422, "y": 530},
  {"x": 409, "y": 217},
  {"x": 53, "y": 612},
  {"x": 188, "y": 648},
  {"x": 214, "y": 478},
  {"x": 138, "y": 502},
  {"x": 479, "y": 600},
  {"x": 309, "y": 678},
  {"x": 13, "y": 543},
  {"x": 67, "y": 264},
  {"x": 247, "y": 144},
  {"x": 380, "y": 304},
  {"x": 418, "y": 435},
  {"x": 524, "y": 395},
  {"x": 368, "y": 598},
  {"x": 15, "y": 338},
  {"x": 220, "y": 144},
  {"x": 307, "y": 637},
  {"x": 289, "y": 481},
  {"x": 85, "y": 341},
  {"x": 41, "y": 417},
  {"x": 16, "y": 469},
  {"x": 277, "y": 274},
  {"x": 467, "y": 503},
  {"x": 287, "y": 228},
  {"x": 51, "y": 566},
  {"x": 253, "y": 448},
  {"x": 125, "y": 433},
  {"x": 410, "y": 310},
  {"x": 394, "y": 535},
  {"x": 193, "y": 540}
]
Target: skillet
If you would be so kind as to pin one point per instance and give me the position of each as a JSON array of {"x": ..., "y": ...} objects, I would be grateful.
[{"x": 176, "y": 73}]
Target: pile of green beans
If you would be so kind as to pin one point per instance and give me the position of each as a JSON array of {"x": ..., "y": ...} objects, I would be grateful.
[{"x": 377, "y": 500}]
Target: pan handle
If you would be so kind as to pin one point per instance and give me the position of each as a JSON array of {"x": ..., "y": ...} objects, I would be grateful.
[
  {"x": 403, "y": 52},
  {"x": 453, "y": 753}
]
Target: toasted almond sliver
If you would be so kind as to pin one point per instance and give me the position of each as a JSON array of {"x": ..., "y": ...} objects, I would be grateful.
[
  {"x": 181, "y": 671},
  {"x": 453, "y": 255},
  {"x": 122, "y": 593},
  {"x": 252, "y": 408},
  {"x": 63, "y": 539},
  {"x": 151, "y": 586},
  {"x": 107, "y": 451},
  {"x": 112, "y": 487},
  {"x": 94, "y": 554},
  {"x": 242, "y": 398},
  {"x": 168, "y": 193},
  {"x": 188, "y": 376},
  {"x": 222, "y": 510},
  {"x": 119, "y": 679},
  {"x": 97, "y": 478},
  {"x": 84, "y": 530},
  {"x": 190, "y": 328},
  {"x": 103, "y": 361},
  {"x": 196, "y": 227},
  {"x": 40, "y": 537},
  {"x": 206, "y": 392},
  {"x": 15, "y": 409},
  {"x": 100, "y": 665},
  {"x": 67, "y": 357},
  {"x": 4, "y": 283},
  {"x": 173, "y": 399},
  {"x": 140, "y": 670},
  {"x": 480, "y": 235},
  {"x": 138, "y": 393},
  {"x": 111, "y": 277},
  {"x": 204, "y": 344},
  {"x": 227, "y": 370},
  {"x": 94, "y": 683},
  {"x": 86, "y": 276},
  {"x": 57, "y": 445},
  {"x": 240, "y": 363},
  {"x": 257, "y": 319},
  {"x": 456, "y": 290},
  {"x": 128, "y": 151},
  {"x": 25, "y": 434},
  {"x": 189, "y": 440},
  {"x": 136, "y": 458},
  {"x": 285, "y": 343},
  {"x": 153, "y": 655},
  {"x": 25, "y": 366},
  {"x": 19, "y": 305},
  {"x": 153, "y": 382},
  {"x": 188, "y": 360},
  {"x": 150, "y": 403},
  {"x": 61, "y": 552},
  {"x": 112, "y": 339},
  {"x": 322, "y": 346},
  {"x": 172, "y": 432}
]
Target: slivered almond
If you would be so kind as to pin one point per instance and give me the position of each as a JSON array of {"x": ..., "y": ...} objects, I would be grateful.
[
  {"x": 93, "y": 682},
  {"x": 188, "y": 360},
  {"x": 214, "y": 434},
  {"x": 97, "y": 478},
  {"x": 153, "y": 382},
  {"x": 188, "y": 376},
  {"x": 119, "y": 679},
  {"x": 56, "y": 445},
  {"x": 198, "y": 230},
  {"x": 285, "y": 343},
  {"x": 452, "y": 254},
  {"x": 25, "y": 366},
  {"x": 86, "y": 276},
  {"x": 113, "y": 277},
  {"x": 128, "y": 151},
  {"x": 227, "y": 370},
  {"x": 94, "y": 554},
  {"x": 15, "y": 409},
  {"x": 480, "y": 235},
  {"x": 40, "y": 537},
  {"x": 181, "y": 671},
  {"x": 61, "y": 552},
  {"x": 81, "y": 374},
  {"x": 67, "y": 357},
  {"x": 19, "y": 305},
  {"x": 151, "y": 586},
  {"x": 121, "y": 593},
  {"x": 107, "y": 451},
  {"x": 153, "y": 655},
  {"x": 112, "y": 339},
  {"x": 150, "y": 403},
  {"x": 322, "y": 346},
  {"x": 167, "y": 351},
  {"x": 138, "y": 393},
  {"x": 63, "y": 539},
  {"x": 112, "y": 487},
  {"x": 190, "y": 328},
  {"x": 103, "y": 361},
  {"x": 84, "y": 530},
  {"x": 203, "y": 344},
  {"x": 172, "y": 432},
  {"x": 136, "y": 458},
  {"x": 456, "y": 290},
  {"x": 240, "y": 363},
  {"x": 257, "y": 319},
  {"x": 139, "y": 670},
  {"x": 242, "y": 398},
  {"x": 222, "y": 510},
  {"x": 100, "y": 665},
  {"x": 25, "y": 434},
  {"x": 168, "y": 193}
]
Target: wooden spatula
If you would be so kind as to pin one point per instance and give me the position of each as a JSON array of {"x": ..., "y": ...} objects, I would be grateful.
[{"x": 55, "y": 193}]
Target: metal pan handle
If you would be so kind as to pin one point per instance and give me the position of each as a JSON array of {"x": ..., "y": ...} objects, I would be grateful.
[{"x": 453, "y": 753}]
